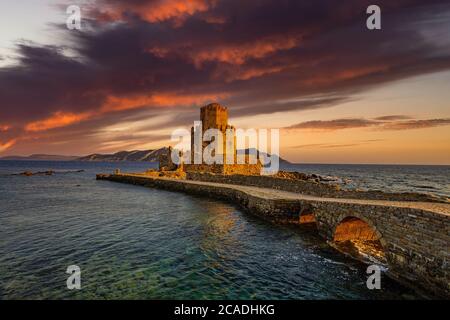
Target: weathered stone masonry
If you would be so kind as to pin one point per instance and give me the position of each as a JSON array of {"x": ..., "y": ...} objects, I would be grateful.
[
  {"x": 416, "y": 242},
  {"x": 213, "y": 116},
  {"x": 304, "y": 187},
  {"x": 415, "y": 237}
]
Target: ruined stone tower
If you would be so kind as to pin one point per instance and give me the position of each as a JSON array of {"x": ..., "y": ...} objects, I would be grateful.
[{"x": 215, "y": 116}]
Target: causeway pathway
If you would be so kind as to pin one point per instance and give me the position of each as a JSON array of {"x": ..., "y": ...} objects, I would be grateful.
[{"x": 273, "y": 194}]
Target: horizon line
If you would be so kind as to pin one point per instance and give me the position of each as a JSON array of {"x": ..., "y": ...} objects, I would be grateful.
[{"x": 290, "y": 163}]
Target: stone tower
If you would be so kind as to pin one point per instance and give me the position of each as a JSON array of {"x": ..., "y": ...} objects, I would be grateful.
[{"x": 214, "y": 116}]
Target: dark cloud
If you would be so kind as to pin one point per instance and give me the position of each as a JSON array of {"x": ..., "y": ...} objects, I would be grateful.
[
  {"x": 416, "y": 124},
  {"x": 393, "y": 117},
  {"x": 325, "y": 145},
  {"x": 336, "y": 145},
  {"x": 300, "y": 104},
  {"x": 336, "y": 124},
  {"x": 389, "y": 123},
  {"x": 45, "y": 81},
  {"x": 261, "y": 58}
]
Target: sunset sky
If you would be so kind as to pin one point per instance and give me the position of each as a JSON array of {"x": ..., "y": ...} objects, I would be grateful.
[{"x": 137, "y": 70}]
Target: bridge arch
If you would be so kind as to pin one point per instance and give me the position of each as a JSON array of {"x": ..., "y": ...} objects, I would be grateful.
[
  {"x": 359, "y": 237},
  {"x": 307, "y": 216}
]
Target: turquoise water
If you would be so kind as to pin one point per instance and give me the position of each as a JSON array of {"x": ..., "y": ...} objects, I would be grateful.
[{"x": 133, "y": 242}]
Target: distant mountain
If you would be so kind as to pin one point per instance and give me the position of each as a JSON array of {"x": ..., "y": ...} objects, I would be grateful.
[
  {"x": 136, "y": 155},
  {"x": 41, "y": 157}
]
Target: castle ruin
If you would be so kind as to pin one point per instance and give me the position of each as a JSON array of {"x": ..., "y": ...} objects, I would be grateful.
[{"x": 213, "y": 116}]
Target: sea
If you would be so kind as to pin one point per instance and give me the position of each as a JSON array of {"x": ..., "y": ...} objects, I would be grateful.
[{"x": 132, "y": 242}]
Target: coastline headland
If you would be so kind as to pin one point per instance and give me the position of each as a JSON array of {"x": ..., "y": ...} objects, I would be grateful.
[{"x": 409, "y": 233}]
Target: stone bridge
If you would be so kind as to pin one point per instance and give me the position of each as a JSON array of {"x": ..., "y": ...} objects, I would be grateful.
[{"x": 413, "y": 236}]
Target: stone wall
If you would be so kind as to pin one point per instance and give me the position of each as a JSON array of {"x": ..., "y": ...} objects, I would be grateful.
[
  {"x": 305, "y": 187},
  {"x": 225, "y": 169},
  {"x": 207, "y": 168},
  {"x": 243, "y": 169}
]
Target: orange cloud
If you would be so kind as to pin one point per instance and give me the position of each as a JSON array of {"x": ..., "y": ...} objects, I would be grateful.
[
  {"x": 114, "y": 103},
  {"x": 58, "y": 119},
  {"x": 240, "y": 53},
  {"x": 4, "y": 128},
  {"x": 168, "y": 9},
  {"x": 7, "y": 145},
  {"x": 156, "y": 11},
  {"x": 235, "y": 54},
  {"x": 252, "y": 73}
]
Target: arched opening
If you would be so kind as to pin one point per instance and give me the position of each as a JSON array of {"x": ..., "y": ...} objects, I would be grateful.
[
  {"x": 359, "y": 239},
  {"x": 307, "y": 217}
]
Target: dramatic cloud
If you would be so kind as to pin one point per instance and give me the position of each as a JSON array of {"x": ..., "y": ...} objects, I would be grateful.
[
  {"x": 7, "y": 145},
  {"x": 416, "y": 124},
  {"x": 393, "y": 117},
  {"x": 59, "y": 119},
  {"x": 255, "y": 57},
  {"x": 151, "y": 11},
  {"x": 380, "y": 123},
  {"x": 335, "y": 145},
  {"x": 337, "y": 124}
]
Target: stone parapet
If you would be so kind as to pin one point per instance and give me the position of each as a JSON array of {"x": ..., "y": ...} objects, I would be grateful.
[{"x": 312, "y": 188}]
